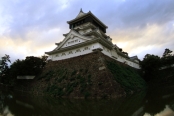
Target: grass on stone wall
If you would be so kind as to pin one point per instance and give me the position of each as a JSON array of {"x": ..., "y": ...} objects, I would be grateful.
[
  {"x": 65, "y": 82},
  {"x": 54, "y": 90},
  {"x": 126, "y": 76}
]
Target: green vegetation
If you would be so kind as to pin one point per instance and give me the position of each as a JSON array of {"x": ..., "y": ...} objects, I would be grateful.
[
  {"x": 62, "y": 82},
  {"x": 128, "y": 78},
  {"x": 54, "y": 90},
  {"x": 87, "y": 94},
  {"x": 151, "y": 64},
  {"x": 73, "y": 73},
  {"x": 59, "y": 79},
  {"x": 30, "y": 66},
  {"x": 4, "y": 69},
  {"x": 49, "y": 75}
]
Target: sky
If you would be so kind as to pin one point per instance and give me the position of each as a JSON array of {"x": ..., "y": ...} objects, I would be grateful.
[{"x": 32, "y": 27}]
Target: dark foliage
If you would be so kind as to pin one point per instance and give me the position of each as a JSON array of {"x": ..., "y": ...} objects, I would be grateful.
[
  {"x": 4, "y": 69},
  {"x": 30, "y": 66},
  {"x": 4, "y": 64},
  {"x": 167, "y": 58},
  {"x": 152, "y": 64},
  {"x": 129, "y": 78}
]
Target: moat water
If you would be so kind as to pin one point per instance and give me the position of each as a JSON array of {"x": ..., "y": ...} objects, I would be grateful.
[{"x": 158, "y": 102}]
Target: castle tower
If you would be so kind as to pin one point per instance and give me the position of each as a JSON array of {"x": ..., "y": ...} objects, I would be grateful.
[{"x": 87, "y": 34}]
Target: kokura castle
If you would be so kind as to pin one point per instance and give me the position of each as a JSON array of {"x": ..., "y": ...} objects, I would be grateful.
[{"x": 88, "y": 34}]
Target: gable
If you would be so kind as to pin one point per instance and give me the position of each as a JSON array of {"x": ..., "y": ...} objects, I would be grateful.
[
  {"x": 73, "y": 41},
  {"x": 72, "y": 38}
]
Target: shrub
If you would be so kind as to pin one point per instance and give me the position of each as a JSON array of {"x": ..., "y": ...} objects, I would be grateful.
[
  {"x": 126, "y": 76},
  {"x": 73, "y": 73},
  {"x": 87, "y": 94}
]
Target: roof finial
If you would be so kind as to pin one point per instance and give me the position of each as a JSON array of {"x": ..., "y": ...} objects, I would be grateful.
[{"x": 81, "y": 10}]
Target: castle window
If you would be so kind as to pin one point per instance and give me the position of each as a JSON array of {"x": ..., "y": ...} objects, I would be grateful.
[
  {"x": 86, "y": 48},
  {"x": 78, "y": 50},
  {"x": 57, "y": 55},
  {"x": 63, "y": 54},
  {"x": 70, "y": 52}
]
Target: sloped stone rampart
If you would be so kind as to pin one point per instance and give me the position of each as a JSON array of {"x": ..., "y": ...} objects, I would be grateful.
[{"x": 79, "y": 77}]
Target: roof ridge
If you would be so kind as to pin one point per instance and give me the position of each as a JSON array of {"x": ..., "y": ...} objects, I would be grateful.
[{"x": 81, "y": 13}]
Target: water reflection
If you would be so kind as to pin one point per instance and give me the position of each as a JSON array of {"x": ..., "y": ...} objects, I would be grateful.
[
  {"x": 166, "y": 112},
  {"x": 141, "y": 104},
  {"x": 4, "y": 109},
  {"x": 6, "y": 112}
]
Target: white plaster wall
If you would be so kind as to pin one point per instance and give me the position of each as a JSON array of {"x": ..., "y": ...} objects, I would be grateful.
[
  {"x": 106, "y": 51},
  {"x": 96, "y": 46},
  {"x": 81, "y": 32},
  {"x": 130, "y": 63},
  {"x": 136, "y": 66},
  {"x": 120, "y": 58},
  {"x": 88, "y": 30},
  {"x": 114, "y": 53},
  {"x": 136, "y": 61},
  {"x": 74, "y": 52},
  {"x": 85, "y": 31},
  {"x": 79, "y": 51},
  {"x": 89, "y": 49}
]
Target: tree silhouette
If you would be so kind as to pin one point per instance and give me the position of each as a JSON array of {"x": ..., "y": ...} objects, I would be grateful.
[
  {"x": 167, "y": 58},
  {"x": 150, "y": 65},
  {"x": 4, "y": 65}
]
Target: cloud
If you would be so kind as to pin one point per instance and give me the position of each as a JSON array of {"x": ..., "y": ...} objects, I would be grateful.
[
  {"x": 138, "y": 13},
  {"x": 138, "y": 26},
  {"x": 29, "y": 27},
  {"x": 29, "y": 16},
  {"x": 153, "y": 40}
]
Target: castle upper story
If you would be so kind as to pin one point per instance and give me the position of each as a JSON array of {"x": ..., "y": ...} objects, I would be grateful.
[
  {"x": 82, "y": 18},
  {"x": 88, "y": 34}
]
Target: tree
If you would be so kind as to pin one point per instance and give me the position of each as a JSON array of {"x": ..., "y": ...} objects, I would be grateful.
[
  {"x": 167, "y": 58},
  {"x": 167, "y": 53},
  {"x": 4, "y": 65},
  {"x": 30, "y": 66},
  {"x": 150, "y": 65},
  {"x": 4, "y": 69}
]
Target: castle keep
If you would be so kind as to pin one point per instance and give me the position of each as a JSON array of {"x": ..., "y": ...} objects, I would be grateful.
[{"x": 88, "y": 34}]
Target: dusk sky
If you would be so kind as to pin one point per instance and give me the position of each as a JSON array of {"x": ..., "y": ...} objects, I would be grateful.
[{"x": 32, "y": 27}]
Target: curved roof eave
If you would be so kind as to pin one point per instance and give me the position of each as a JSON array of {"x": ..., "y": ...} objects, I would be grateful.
[
  {"x": 80, "y": 45},
  {"x": 85, "y": 14}
]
